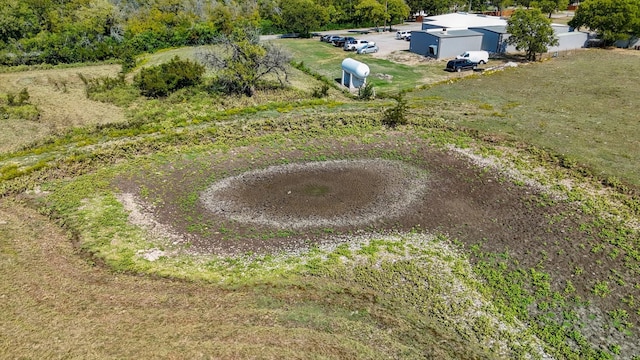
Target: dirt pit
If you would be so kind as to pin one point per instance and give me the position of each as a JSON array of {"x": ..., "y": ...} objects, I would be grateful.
[
  {"x": 317, "y": 194},
  {"x": 242, "y": 203}
]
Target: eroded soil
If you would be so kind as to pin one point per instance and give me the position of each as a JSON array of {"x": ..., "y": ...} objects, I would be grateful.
[{"x": 475, "y": 205}]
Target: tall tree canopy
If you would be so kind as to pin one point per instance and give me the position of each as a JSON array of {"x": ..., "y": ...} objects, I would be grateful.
[
  {"x": 246, "y": 62},
  {"x": 397, "y": 10},
  {"x": 372, "y": 10},
  {"x": 531, "y": 32},
  {"x": 611, "y": 19},
  {"x": 302, "y": 16},
  {"x": 550, "y": 6}
]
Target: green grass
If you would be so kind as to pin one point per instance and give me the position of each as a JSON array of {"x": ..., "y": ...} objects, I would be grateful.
[
  {"x": 362, "y": 300},
  {"x": 581, "y": 107},
  {"x": 326, "y": 60}
]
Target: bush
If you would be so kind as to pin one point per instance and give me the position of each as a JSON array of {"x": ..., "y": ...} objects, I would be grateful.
[
  {"x": 321, "y": 92},
  {"x": 102, "y": 84},
  {"x": 366, "y": 92},
  {"x": 20, "y": 99},
  {"x": 114, "y": 90},
  {"x": 396, "y": 115},
  {"x": 161, "y": 80}
]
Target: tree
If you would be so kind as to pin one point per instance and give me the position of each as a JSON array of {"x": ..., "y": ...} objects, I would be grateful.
[
  {"x": 303, "y": 15},
  {"x": 611, "y": 19},
  {"x": 550, "y": 6},
  {"x": 397, "y": 10},
  {"x": 17, "y": 21},
  {"x": 372, "y": 10},
  {"x": 501, "y": 4},
  {"x": 530, "y": 31},
  {"x": 244, "y": 61}
]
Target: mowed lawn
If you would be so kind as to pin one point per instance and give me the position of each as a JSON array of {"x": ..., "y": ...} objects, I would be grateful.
[
  {"x": 386, "y": 76},
  {"x": 584, "y": 106}
]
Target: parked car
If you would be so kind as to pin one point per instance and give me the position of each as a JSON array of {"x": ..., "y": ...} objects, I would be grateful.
[
  {"x": 461, "y": 64},
  {"x": 478, "y": 57},
  {"x": 368, "y": 48},
  {"x": 340, "y": 41},
  {"x": 332, "y": 38},
  {"x": 402, "y": 34},
  {"x": 325, "y": 38},
  {"x": 354, "y": 45}
]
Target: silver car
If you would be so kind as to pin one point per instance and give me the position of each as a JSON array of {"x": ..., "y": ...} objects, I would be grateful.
[{"x": 368, "y": 48}]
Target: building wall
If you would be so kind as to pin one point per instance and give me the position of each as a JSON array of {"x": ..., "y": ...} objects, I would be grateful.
[
  {"x": 632, "y": 43},
  {"x": 427, "y": 26},
  {"x": 453, "y": 46},
  {"x": 560, "y": 29},
  {"x": 446, "y": 46},
  {"x": 490, "y": 40},
  {"x": 420, "y": 42},
  {"x": 570, "y": 41},
  {"x": 504, "y": 47}
]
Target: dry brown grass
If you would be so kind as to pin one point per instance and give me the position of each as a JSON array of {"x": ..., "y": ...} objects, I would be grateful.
[
  {"x": 54, "y": 304},
  {"x": 59, "y": 95}
]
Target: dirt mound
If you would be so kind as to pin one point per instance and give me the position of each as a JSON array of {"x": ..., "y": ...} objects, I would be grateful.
[{"x": 408, "y": 58}]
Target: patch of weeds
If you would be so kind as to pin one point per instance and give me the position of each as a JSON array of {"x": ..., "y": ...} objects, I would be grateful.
[
  {"x": 366, "y": 92},
  {"x": 601, "y": 288},
  {"x": 18, "y": 107},
  {"x": 18, "y": 100},
  {"x": 320, "y": 92},
  {"x": 396, "y": 115}
]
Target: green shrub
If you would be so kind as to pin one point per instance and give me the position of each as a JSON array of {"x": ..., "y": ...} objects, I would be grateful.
[
  {"x": 114, "y": 90},
  {"x": 18, "y": 100},
  {"x": 321, "y": 92},
  {"x": 366, "y": 92},
  {"x": 102, "y": 83},
  {"x": 396, "y": 115},
  {"x": 161, "y": 80},
  {"x": 25, "y": 112}
]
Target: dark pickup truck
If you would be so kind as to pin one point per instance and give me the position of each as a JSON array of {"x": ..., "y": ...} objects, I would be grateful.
[
  {"x": 340, "y": 41},
  {"x": 461, "y": 64}
]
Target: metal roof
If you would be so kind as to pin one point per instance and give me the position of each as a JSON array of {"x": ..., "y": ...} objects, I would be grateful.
[
  {"x": 499, "y": 29},
  {"x": 464, "y": 20},
  {"x": 452, "y": 33}
]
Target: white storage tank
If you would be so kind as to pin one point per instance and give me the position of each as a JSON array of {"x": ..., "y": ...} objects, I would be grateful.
[{"x": 354, "y": 73}]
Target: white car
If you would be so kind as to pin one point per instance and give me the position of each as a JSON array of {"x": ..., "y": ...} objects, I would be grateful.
[
  {"x": 368, "y": 49},
  {"x": 402, "y": 34},
  {"x": 354, "y": 45}
]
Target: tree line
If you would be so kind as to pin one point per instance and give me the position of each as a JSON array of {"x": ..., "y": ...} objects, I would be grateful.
[{"x": 66, "y": 31}]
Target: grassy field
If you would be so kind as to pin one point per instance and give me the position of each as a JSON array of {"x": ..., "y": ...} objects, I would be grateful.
[
  {"x": 58, "y": 97},
  {"x": 386, "y": 76},
  {"x": 579, "y": 105},
  {"x": 75, "y": 283}
]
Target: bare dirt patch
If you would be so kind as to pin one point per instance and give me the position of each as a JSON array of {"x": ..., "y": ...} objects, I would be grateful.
[
  {"x": 317, "y": 194},
  {"x": 408, "y": 58},
  {"x": 474, "y": 204}
]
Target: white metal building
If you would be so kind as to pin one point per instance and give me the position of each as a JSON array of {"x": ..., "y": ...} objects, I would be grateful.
[
  {"x": 444, "y": 43},
  {"x": 448, "y": 35}
]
